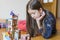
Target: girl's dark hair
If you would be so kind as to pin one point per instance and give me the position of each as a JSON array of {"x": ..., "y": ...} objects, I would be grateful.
[
  {"x": 30, "y": 22},
  {"x": 34, "y": 4}
]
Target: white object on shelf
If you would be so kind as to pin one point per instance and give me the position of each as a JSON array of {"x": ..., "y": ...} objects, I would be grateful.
[
  {"x": 45, "y": 1},
  {"x": 50, "y": 0}
]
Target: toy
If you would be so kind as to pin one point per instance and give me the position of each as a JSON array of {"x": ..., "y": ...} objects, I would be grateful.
[
  {"x": 12, "y": 29},
  {"x": 14, "y": 23},
  {"x": 25, "y": 37},
  {"x": 3, "y": 25},
  {"x": 6, "y": 36},
  {"x": 16, "y": 35}
]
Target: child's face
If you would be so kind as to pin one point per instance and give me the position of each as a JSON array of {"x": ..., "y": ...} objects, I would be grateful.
[{"x": 34, "y": 13}]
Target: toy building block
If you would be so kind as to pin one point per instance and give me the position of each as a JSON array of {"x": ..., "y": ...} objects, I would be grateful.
[
  {"x": 6, "y": 36},
  {"x": 25, "y": 37},
  {"x": 14, "y": 26}
]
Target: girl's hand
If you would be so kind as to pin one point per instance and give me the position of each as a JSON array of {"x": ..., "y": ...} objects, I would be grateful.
[{"x": 41, "y": 17}]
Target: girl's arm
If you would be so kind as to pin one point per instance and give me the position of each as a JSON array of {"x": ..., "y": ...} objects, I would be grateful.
[
  {"x": 38, "y": 20},
  {"x": 38, "y": 24}
]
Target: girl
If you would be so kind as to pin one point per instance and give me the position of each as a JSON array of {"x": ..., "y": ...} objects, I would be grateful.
[{"x": 39, "y": 20}]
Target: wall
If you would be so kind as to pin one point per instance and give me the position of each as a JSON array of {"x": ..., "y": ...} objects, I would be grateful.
[{"x": 18, "y": 7}]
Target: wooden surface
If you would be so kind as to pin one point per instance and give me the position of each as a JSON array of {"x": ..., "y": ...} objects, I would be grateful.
[
  {"x": 56, "y": 37},
  {"x": 1, "y": 30}
]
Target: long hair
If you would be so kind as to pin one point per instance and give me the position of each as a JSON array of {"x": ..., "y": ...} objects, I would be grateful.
[{"x": 30, "y": 22}]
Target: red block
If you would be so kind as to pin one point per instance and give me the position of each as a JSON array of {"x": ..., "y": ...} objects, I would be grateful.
[{"x": 22, "y": 25}]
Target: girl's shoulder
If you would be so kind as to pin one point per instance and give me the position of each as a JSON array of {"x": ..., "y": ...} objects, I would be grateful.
[{"x": 47, "y": 12}]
